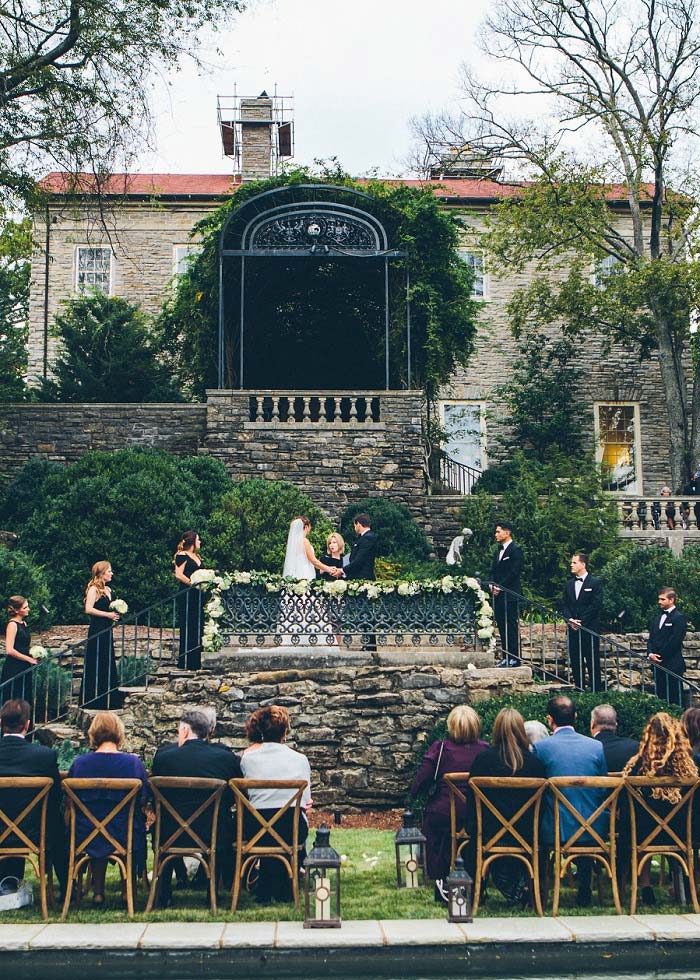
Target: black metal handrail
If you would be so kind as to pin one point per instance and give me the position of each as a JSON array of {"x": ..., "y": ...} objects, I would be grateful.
[
  {"x": 457, "y": 477},
  {"x": 543, "y": 645},
  {"x": 143, "y": 642}
]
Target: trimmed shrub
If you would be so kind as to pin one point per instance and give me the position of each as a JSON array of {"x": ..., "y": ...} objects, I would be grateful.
[
  {"x": 400, "y": 537},
  {"x": 249, "y": 527},
  {"x": 128, "y": 507},
  {"x": 21, "y": 575},
  {"x": 631, "y": 583}
]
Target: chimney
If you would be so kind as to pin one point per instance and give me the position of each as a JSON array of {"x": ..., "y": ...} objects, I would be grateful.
[
  {"x": 257, "y": 132},
  {"x": 256, "y": 137}
]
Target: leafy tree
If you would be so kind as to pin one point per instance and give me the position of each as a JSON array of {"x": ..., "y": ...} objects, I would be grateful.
[
  {"x": 556, "y": 508},
  {"x": 540, "y": 411},
  {"x": 625, "y": 78},
  {"x": 129, "y": 507},
  {"x": 15, "y": 253},
  {"x": 249, "y": 527},
  {"x": 108, "y": 354},
  {"x": 442, "y": 311},
  {"x": 75, "y": 77},
  {"x": 20, "y": 574}
]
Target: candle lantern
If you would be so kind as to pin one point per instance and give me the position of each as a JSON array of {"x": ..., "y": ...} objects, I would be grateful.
[
  {"x": 410, "y": 854},
  {"x": 459, "y": 887},
  {"x": 322, "y": 884}
]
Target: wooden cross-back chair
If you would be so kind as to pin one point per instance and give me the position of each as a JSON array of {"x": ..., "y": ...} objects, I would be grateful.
[
  {"x": 185, "y": 840},
  {"x": 122, "y": 854},
  {"x": 252, "y": 846},
  {"x": 509, "y": 837},
  {"x": 662, "y": 839},
  {"x": 586, "y": 840},
  {"x": 456, "y": 783},
  {"x": 15, "y": 839}
]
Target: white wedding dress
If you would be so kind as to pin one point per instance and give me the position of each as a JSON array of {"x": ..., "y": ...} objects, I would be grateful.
[{"x": 303, "y": 620}]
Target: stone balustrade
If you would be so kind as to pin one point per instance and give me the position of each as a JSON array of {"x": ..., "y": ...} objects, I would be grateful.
[
  {"x": 295, "y": 408},
  {"x": 659, "y": 513}
]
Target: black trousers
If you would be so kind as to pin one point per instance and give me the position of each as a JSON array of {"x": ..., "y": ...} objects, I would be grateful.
[
  {"x": 505, "y": 609},
  {"x": 584, "y": 657},
  {"x": 273, "y": 881},
  {"x": 669, "y": 688}
]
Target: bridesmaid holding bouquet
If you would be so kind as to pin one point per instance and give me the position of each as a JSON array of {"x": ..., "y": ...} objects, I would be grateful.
[
  {"x": 190, "y": 602},
  {"x": 100, "y": 675}
]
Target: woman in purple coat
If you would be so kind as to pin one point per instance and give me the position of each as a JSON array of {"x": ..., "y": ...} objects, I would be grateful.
[{"x": 455, "y": 754}]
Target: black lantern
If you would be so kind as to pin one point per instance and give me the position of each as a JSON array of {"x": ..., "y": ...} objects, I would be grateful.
[
  {"x": 410, "y": 854},
  {"x": 322, "y": 884},
  {"x": 459, "y": 887}
]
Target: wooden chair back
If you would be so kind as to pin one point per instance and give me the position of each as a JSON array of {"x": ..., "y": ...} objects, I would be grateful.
[
  {"x": 456, "y": 783},
  {"x": 265, "y": 839},
  {"x": 185, "y": 840},
  {"x": 122, "y": 854},
  {"x": 16, "y": 839},
  {"x": 586, "y": 840},
  {"x": 667, "y": 834},
  {"x": 515, "y": 835}
]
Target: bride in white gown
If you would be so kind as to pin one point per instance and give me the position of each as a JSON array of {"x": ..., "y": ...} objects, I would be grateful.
[{"x": 304, "y": 620}]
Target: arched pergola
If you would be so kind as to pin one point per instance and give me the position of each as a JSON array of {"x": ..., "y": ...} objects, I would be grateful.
[{"x": 306, "y": 221}]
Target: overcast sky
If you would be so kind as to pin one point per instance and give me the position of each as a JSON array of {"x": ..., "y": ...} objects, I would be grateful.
[{"x": 358, "y": 70}]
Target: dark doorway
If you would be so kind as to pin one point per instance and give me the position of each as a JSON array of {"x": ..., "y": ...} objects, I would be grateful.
[{"x": 314, "y": 324}]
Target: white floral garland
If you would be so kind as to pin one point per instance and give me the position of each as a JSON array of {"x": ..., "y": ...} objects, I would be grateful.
[{"x": 215, "y": 584}]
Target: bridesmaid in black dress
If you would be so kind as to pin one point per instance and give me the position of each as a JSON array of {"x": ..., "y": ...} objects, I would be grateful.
[
  {"x": 16, "y": 678},
  {"x": 100, "y": 677},
  {"x": 190, "y": 602}
]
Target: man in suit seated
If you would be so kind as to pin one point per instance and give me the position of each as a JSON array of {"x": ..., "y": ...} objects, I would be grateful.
[
  {"x": 617, "y": 749},
  {"x": 566, "y": 753},
  {"x": 18, "y": 757},
  {"x": 196, "y": 757}
]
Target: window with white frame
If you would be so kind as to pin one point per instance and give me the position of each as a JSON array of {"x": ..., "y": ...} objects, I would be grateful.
[
  {"x": 181, "y": 257},
  {"x": 475, "y": 261},
  {"x": 93, "y": 269},
  {"x": 464, "y": 425},
  {"x": 619, "y": 446},
  {"x": 604, "y": 268}
]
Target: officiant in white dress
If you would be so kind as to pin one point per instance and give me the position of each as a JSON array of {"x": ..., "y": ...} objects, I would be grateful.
[{"x": 304, "y": 620}]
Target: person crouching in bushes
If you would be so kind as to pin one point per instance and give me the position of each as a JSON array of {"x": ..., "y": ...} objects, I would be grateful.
[
  {"x": 267, "y": 757},
  {"x": 509, "y": 756},
  {"x": 664, "y": 750},
  {"x": 456, "y": 753}
]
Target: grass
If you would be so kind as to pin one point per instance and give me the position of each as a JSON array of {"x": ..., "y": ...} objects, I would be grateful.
[{"x": 368, "y": 886}]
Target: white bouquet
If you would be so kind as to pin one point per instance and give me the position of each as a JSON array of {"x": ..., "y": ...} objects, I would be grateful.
[
  {"x": 38, "y": 652},
  {"x": 119, "y": 606},
  {"x": 203, "y": 576}
]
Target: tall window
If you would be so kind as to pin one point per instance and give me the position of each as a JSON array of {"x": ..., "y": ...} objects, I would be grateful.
[
  {"x": 93, "y": 269},
  {"x": 465, "y": 428},
  {"x": 604, "y": 268},
  {"x": 475, "y": 261},
  {"x": 619, "y": 449},
  {"x": 181, "y": 256}
]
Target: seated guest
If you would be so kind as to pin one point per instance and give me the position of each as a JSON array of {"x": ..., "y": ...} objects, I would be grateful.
[
  {"x": 535, "y": 732},
  {"x": 664, "y": 750},
  {"x": 617, "y": 749},
  {"x": 566, "y": 753},
  {"x": 267, "y": 757},
  {"x": 456, "y": 753},
  {"x": 194, "y": 756},
  {"x": 690, "y": 720},
  {"x": 107, "y": 761},
  {"x": 509, "y": 755},
  {"x": 19, "y": 757}
]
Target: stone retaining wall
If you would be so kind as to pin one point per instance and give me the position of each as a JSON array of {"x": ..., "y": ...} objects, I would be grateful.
[{"x": 359, "y": 726}]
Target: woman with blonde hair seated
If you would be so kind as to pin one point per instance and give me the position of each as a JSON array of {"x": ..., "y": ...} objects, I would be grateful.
[
  {"x": 456, "y": 753},
  {"x": 267, "y": 757},
  {"x": 107, "y": 761},
  {"x": 664, "y": 750}
]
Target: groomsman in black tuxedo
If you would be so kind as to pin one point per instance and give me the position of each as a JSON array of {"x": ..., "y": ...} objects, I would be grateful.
[
  {"x": 665, "y": 646},
  {"x": 583, "y": 600},
  {"x": 506, "y": 568}
]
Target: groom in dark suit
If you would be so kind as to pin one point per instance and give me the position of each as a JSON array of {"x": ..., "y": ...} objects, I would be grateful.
[
  {"x": 505, "y": 574},
  {"x": 665, "y": 646},
  {"x": 364, "y": 550},
  {"x": 583, "y": 600}
]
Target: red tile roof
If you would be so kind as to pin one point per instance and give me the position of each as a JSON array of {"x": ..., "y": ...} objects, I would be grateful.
[{"x": 219, "y": 185}]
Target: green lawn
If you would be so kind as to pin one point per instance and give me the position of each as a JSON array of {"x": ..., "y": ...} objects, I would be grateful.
[{"x": 368, "y": 892}]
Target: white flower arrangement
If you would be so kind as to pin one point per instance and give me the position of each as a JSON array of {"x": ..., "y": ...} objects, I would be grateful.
[
  {"x": 39, "y": 652},
  {"x": 214, "y": 609},
  {"x": 119, "y": 606}
]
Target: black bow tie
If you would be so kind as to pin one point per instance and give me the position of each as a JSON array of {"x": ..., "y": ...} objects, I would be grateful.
[{"x": 579, "y": 578}]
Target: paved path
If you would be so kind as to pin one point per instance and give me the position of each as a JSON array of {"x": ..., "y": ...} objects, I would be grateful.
[{"x": 410, "y": 946}]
